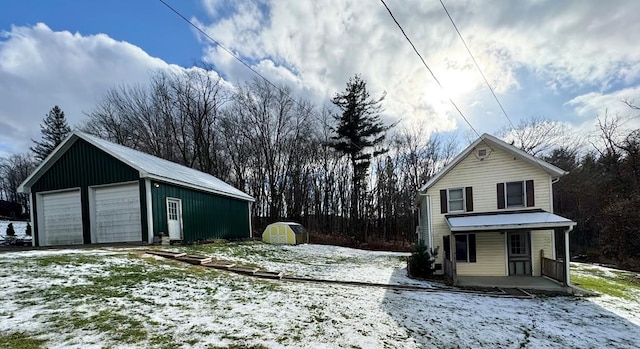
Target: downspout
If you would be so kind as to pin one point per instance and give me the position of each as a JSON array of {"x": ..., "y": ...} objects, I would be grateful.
[{"x": 566, "y": 256}]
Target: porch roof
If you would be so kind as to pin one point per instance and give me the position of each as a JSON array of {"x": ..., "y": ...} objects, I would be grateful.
[{"x": 492, "y": 221}]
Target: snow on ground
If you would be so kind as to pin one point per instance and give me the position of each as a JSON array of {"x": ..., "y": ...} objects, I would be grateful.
[
  {"x": 18, "y": 227},
  {"x": 92, "y": 298}
]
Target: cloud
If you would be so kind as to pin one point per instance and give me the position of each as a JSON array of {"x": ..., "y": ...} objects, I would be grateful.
[
  {"x": 317, "y": 46},
  {"x": 40, "y": 68}
]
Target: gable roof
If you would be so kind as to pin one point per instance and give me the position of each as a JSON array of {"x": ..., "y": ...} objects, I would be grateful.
[
  {"x": 149, "y": 166},
  {"x": 492, "y": 141}
]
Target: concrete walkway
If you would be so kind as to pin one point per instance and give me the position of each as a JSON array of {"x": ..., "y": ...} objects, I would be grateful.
[{"x": 521, "y": 282}]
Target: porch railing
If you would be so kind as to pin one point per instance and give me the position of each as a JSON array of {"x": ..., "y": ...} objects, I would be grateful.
[{"x": 554, "y": 269}]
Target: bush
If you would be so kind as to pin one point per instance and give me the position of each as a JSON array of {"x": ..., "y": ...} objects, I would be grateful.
[
  {"x": 421, "y": 263},
  {"x": 28, "y": 230},
  {"x": 10, "y": 231}
]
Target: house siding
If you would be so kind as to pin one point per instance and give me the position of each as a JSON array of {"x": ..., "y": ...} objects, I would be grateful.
[
  {"x": 490, "y": 256},
  {"x": 483, "y": 175},
  {"x": 204, "y": 216}
]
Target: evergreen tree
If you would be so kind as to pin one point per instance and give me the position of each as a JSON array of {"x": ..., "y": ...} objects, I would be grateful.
[
  {"x": 54, "y": 130},
  {"x": 359, "y": 133}
]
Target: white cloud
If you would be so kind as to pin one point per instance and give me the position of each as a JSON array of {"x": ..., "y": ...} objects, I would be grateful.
[
  {"x": 567, "y": 46},
  {"x": 40, "y": 68}
]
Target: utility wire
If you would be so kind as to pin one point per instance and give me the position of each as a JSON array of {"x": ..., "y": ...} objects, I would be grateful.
[
  {"x": 239, "y": 59},
  {"x": 477, "y": 65},
  {"x": 429, "y": 69},
  {"x": 513, "y": 128}
]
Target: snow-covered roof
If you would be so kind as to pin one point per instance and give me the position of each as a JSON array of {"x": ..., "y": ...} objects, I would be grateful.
[
  {"x": 508, "y": 221},
  {"x": 149, "y": 166},
  {"x": 493, "y": 141}
]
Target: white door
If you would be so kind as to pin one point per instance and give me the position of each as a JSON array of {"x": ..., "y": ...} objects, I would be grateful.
[
  {"x": 174, "y": 218},
  {"x": 117, "y": 214},
  {"x": 60, "y": 218}
]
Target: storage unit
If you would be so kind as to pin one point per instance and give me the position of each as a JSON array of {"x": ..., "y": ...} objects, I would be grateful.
[
  {"x": 93, "y": 191},
  {"x": 288, "y": 233}
]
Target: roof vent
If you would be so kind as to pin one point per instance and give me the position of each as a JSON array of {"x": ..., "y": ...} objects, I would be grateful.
[{"x": 482, "y": 154}]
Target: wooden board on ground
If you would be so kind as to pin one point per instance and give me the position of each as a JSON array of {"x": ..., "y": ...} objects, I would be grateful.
[{"x": 166, "y": 254}]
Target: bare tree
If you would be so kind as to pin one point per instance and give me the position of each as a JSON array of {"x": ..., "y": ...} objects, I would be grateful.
[
  {"x": 538, "y": 135},
  {"x": 14, "y": 169}
]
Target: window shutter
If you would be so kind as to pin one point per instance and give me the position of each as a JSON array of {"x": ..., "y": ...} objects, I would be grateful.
[
  {"x": 531, "y": 198},
  {"x": 472, "y": 248},
  {"x": 443, "y": 201},
  {"x": 468, "y": 194},
  {"x": 500, "y": 195},
  {"x": 447, "y": 247}
]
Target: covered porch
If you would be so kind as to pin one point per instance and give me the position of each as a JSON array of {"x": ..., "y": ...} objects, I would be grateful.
[{"x": 512, "y": 249}]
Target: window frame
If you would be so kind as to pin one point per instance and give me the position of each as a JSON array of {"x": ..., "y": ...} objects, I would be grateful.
[
  {"x": 524, "y": 194},
  {"x": 463, "y": 199},
  {"x": 455, "y": 253}
]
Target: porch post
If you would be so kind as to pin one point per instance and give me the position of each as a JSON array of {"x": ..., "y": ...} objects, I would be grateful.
[
  {"x": 452, "y": 255},
  {"x": 566, "y": 256}
]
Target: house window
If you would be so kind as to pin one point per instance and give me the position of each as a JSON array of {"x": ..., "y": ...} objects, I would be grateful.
[
  {"x": 456, "y": 199},
  {"x": 465, "y": 248},
  {"x": 515, "y": 194}
]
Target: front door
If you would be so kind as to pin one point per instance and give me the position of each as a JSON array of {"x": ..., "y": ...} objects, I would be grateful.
[
  {"x": 519, "y": 246},
  {"x": 174, "y": 218}
]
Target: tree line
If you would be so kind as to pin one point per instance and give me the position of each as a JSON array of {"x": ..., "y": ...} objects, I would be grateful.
[{"x": 337, "y": 168}]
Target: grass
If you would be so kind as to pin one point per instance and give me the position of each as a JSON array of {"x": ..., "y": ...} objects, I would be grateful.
[
  {"x": 19, "y": 340},
  {"x": 625, "y": 285}
]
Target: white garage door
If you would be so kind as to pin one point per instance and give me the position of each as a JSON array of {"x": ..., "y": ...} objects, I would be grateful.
[
  {"x": 61, "y": 219},
  {"x": 117, "y": 214}
]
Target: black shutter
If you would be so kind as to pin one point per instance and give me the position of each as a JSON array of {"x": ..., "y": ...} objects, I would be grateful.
[
  {"x": 531, "y": 198},
  {"x": 468, "y": 194},
  {"x": 500, "y": 195},
  {"x": 472, "y": 248},
  {"x": 447, "y": 246},
  {"x": 443, "y": 201}
]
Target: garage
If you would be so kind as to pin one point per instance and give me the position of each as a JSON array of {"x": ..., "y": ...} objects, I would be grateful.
[
  {"x": 61, "y": 216},
  {"x": 92, "y": 191},
  {"x": 116, "y": 214}
]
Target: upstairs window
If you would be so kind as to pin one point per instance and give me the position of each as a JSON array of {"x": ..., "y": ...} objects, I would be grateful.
[
  {"x": 515, "y": 194},
  {"x": 456, "y": 200}
]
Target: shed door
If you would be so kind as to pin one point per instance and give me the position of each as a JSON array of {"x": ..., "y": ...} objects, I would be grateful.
[
  {"x": 174, "y": 218},
  {"x": 117, "y": 214},
  {"x": 60, "y": 219}
]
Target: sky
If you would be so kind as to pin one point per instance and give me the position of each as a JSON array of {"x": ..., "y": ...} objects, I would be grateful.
[{"x": 567, "y": 61}]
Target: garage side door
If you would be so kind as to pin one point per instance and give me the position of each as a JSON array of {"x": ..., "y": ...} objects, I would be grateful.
[
  {"x": 117, "y": 214},
  {"x": 61, "y": 218}
]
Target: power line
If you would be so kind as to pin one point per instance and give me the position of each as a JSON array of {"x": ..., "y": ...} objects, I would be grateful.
[
  {"x": 427, "y": 66},
  {"x": 477, "y": 65},
  {"x": 239, "y": 59}
]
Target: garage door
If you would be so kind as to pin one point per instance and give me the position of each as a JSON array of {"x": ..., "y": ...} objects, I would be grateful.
[
  {"x": 61, "y": 218},
  {"x": 117, "y": 214}
]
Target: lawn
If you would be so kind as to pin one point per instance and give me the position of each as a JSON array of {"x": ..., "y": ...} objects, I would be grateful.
[{"x": 124, "y": 298}]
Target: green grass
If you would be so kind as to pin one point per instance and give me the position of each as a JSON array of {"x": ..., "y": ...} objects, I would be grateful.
[
  {"x": 622, "y": 286},
  {"x": 20, "y": 340}
]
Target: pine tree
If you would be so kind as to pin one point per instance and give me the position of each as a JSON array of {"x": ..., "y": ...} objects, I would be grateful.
[
  {"x": 360, "y": 131},
  {"x": 54, "y": 130}
]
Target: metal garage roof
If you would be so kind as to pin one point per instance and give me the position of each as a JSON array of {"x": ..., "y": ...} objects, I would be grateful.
[
  {"x": 148, "y": 165},
  {"x": 536, "y": 220}
]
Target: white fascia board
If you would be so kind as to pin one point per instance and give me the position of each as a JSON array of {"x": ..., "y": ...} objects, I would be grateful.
[
  {"x": 532, "y": 226},
  {"x": 197, "y": 187}
]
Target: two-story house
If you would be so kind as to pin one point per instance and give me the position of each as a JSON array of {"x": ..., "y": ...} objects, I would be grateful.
[{"x": 490, "y": 212}]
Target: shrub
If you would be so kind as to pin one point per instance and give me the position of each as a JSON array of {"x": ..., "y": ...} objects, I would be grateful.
[
  {"x": 421, "y": 263},
  {"x": 28, "y": 230},
  {"x": 10, "y": 231}
]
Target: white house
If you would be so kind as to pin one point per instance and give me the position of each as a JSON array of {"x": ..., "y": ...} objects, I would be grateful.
[{"x": 490, "y": 212}]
